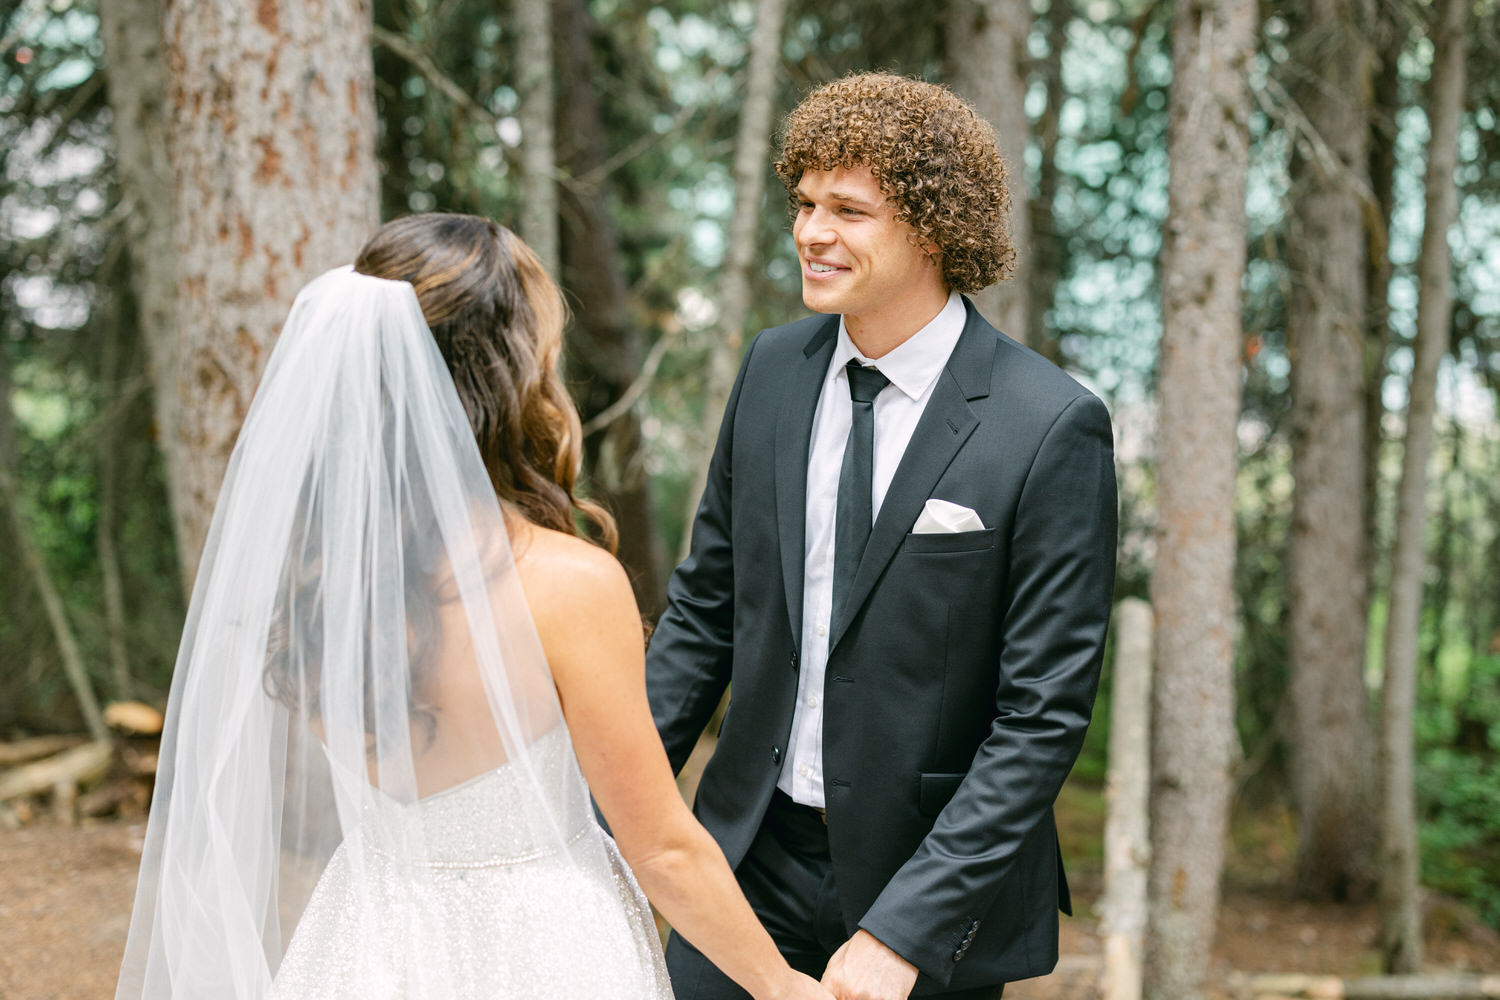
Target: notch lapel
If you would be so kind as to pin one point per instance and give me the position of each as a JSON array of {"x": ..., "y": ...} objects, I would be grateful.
[
  {"x": 945, "y": 425},
  {"x": 793, "y": 438}
]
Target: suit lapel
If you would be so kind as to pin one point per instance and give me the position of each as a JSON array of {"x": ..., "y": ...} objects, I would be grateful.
[
  {"x": 793, "y": 438},
  {"x": 945, "y": 425}
]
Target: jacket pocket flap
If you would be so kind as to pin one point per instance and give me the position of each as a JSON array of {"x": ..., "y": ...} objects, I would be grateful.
[
  {"x": 935, "y": 790},
  {"x": 954, "y": 541}
]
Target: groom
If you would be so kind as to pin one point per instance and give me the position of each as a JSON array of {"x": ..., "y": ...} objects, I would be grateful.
[{"x": 902, "y": 567}]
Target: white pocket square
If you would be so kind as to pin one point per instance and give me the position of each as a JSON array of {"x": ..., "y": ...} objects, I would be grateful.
[{"x": 942, "y": 517}]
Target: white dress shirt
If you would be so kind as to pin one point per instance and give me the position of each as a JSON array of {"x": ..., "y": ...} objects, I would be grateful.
[{"x": 913, "y": 369}]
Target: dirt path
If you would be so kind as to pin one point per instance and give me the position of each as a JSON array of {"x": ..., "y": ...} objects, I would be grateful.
[{"x": 65, "y": 899}]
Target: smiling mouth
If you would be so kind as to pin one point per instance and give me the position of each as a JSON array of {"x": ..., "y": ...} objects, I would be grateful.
[{"x": 817, "y": 268}]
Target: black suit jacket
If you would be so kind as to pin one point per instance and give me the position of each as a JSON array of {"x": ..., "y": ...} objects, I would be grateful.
[{"x": 962, "y": 674}]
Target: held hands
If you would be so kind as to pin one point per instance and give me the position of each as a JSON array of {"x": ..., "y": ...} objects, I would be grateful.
[
  {"x": 865, "y": 969},
  {"x": 798, "y": 986}
]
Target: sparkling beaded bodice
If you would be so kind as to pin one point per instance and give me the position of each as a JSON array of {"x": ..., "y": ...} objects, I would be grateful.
[
  {"x": 492, "y": 819},
  {"x": 465, "y": 895}
]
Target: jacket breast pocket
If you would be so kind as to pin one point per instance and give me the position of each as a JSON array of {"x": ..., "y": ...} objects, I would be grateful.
[
  {"x": 956, "y": 541},
  {"x": 934, "y": 790}
]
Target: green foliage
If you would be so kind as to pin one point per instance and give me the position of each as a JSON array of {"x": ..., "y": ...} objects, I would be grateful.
[
  {"x": 1458, "y": 785},
  {"x": 64, "y": 298}
]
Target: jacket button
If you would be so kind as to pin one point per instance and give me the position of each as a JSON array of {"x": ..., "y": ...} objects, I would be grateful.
[
  {"x": 792, "y": 659},
  {"x": 776, "y": 755},
  {"x": 958, "y": 955}
]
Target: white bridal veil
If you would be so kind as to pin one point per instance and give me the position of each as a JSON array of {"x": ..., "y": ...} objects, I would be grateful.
[{"x": 364, "y": 761}]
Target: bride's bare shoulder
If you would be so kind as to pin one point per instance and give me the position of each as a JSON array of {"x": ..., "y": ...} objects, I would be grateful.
[{"x": 565, "y": 573}]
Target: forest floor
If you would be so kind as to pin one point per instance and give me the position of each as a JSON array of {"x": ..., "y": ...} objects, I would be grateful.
[{"x": 65, "y": 896}]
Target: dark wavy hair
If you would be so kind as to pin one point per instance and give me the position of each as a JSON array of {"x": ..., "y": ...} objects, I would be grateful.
[
  {"x": 498, "y": 320},
  {"x": 936, "y": 160}
]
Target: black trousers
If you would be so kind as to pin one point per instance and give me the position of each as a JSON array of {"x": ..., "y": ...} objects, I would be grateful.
[{"x": 787, "y": 876}]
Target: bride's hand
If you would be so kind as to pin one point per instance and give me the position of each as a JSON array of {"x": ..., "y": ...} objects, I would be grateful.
[{"x": 797, "y": 986}]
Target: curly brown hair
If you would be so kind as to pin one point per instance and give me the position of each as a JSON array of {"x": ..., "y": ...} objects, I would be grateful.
[{"x": 933, "y": 156}]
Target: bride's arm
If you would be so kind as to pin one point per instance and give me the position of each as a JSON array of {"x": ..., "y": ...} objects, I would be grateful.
[{"x": 590, "y": 628}]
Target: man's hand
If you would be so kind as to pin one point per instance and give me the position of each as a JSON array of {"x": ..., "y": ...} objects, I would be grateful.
[{"x": 865, "y": 969}]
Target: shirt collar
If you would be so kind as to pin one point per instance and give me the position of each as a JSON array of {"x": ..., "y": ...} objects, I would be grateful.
[{"x": 914, "y": 365}]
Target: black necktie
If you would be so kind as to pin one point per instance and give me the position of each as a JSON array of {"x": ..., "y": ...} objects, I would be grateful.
[{"x": 851, "y": 526}]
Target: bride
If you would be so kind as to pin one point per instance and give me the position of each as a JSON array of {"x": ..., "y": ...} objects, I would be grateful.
[{"x": 399, "y": 665}]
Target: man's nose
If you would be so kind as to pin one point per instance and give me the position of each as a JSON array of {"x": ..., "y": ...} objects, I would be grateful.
[{"x": 816, "y": 228}]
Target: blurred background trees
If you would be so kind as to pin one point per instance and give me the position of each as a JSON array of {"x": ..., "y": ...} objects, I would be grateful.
[{"x": 139, "y": 292}]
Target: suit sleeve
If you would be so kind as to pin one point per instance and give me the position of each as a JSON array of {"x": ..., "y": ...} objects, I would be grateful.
[
  {"x": 688, "y": 662},
  {"x": 1061, "y": 573}
]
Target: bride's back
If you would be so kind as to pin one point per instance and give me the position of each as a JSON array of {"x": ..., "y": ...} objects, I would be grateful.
[{"x": 497, "y": 319}]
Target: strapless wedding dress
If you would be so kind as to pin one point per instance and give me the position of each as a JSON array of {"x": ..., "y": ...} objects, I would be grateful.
[{"x": 495, "y": 910}]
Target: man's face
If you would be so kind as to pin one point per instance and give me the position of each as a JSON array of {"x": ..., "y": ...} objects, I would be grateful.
[{"x": 856, "y": 258}]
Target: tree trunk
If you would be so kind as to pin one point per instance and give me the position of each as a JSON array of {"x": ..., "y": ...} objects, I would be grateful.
[
  {"x": 538, "y": 217},
  {"x": 1486, "y": 607},
  {"x": 1333, "y": 747},
  {"x": 1192, "y": 588},
  {"x": 109, "y": 505},
  {"x": 272, "y": 135},
  {"x": 1127, "y": 828},
  {"x": 1044, "y": 269},
  {"x": 1390, "y": 32},
  {"x": 987, "y": 65},
  {"x": 605, "y": 350},
  {"x": 1401, "y": 917},
  {"x": 137, "y": 79},
  {"x": 1437, "y": 594},
  {"x": 751, "y": 146}
]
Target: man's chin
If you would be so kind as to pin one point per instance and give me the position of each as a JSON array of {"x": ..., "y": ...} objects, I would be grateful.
[{"x": 818, "y": 303}]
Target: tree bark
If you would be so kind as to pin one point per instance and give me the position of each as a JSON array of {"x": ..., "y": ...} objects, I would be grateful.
[
  {"x": 605, "y": 350},
  {"x": 1437, "y": 594},
  {"x": 1390, "y": 32},
  {"x": 987, "y": 65},
  {"x": 1127, "y": 827},
  {"x": 272, "y": 136},
  {"x": 109, "y": 504},
  {"x": 1400, "y": 861},
  {"x": 751, "y": 146},
  {"x": 1044, "y": 268},
  {"x": 137, "y": 81},
  {"x": 1192, "y": 588},
  {"x": 1333, "y": 749},
  {"x": 538, "y": 217}
]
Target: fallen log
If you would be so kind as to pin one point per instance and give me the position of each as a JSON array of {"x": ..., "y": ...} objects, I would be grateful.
[
  {"x": 1288, "y": 986},
  {"x": 133, "y": 717},
  {"x": 79, "y": 765},
  {"x": 24, "y": 751},
  {"x": 65, "y": 802},
  {"x": 125, "y": 796},
  {"x": 141, "y": 763}
]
